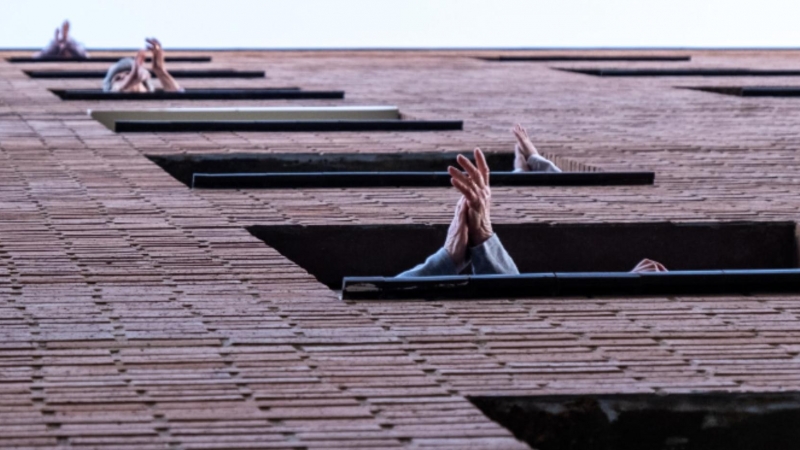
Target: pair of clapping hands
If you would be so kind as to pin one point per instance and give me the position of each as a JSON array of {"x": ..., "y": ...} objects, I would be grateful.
[
  {"x": 471, "y": 225},
  {"x": 139, "y": 74},
  {"x": 62, "y": 46}
]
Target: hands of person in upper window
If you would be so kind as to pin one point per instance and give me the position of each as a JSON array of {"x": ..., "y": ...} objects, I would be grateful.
[
  {"x": 473, "y": 183},
  {"x": 160, "y": 68},
  {"x": 158, "y": 55},
  {"x": 64, "y": 35},
  {"x": 648, "y": 265},
  {"x": 136, "y": 77},
  {"x": 458, "y": 235},
  {"x": 524, "y": 144}
]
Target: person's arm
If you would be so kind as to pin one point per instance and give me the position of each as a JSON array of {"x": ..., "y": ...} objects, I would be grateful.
[
  {"x": 160, "y": 68},
  {"x": 52, "y": 50},
  {"x": 491, "y": 258},
  {"x": 539, "y": 163},
  {"x": 136, "y": 75},
  {"x": 167, "y": 82},
  {"x": 438, "y": 264},
  {"x": 452, "y": 258},
  {"x": 76, "y": 50}
]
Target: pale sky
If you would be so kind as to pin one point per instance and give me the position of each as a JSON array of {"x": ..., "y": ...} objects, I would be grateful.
[{"x": 405, "y": 23}]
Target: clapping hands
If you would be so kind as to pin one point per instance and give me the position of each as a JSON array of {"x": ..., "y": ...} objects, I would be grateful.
[{"x": 471, "y": 225}]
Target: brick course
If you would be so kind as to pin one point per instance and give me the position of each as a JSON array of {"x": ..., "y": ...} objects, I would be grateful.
[{"x": 140, "y": 314}]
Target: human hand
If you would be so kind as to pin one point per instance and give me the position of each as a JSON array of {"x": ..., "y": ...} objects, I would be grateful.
[
  {"x": 474, "y": 185},
  {"x": 158, "y": 54},
  {"x": 524, "y": 144},
  {"x": 648, "y": 265},
  {"x": 134, "y": 80},
  {"x": 458, "y": 234},
  {"x": 138, "y": 67},
  {"x": 64, "y": 32}
]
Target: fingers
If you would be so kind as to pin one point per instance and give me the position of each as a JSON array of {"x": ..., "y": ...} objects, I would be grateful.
[
  {"x": 460, "y": 182},
  {"x": 153, "y": 44},
  {"x": 474, "y": 174},
  {"x": 65, "y": 30},
  {"x": 139, "y": 58},
  {"x": 518, "y": 131},
  {"x": 483, "y": 166},
  {"x": 648, "y": 265}
]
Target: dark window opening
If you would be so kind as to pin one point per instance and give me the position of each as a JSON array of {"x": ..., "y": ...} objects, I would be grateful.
[
  {"x": 283, "y": 126},
  {"x": 546, "y": 58},
  {"x": 100, "y": 74},
  {"x": 331, "y": 253},
  {"x": 280, "y": 93},
  {"x": 752, "y": 91},
  {"x": 697, "y": 421},
  {"x": 309, "y": 170},
  {"x": 574, "y": 284},
  {"x": 683, "y": 72},
  {"x": 105, "y": 59}
]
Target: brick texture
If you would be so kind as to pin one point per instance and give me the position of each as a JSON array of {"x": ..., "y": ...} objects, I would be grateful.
[{"x": 137, "y": 313}]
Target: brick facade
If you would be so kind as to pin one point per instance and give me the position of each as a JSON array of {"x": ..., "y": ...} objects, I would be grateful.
[{"x": 137, "y": 313}]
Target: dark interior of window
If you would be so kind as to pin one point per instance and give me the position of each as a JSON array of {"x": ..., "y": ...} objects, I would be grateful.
[
  {"x": 287, "y": 93},
  {"x": 105, "y": 59},
  {"x": 752, "y": 91},
  {"x": 100, "y": 74},
  {"x": 683, "y": 72},
  {"x": 309, "y": 170},
  {"x": 564, "y": 57},
  {"x": 331, "y": 253},
  {"x": 696, "y": 421}
]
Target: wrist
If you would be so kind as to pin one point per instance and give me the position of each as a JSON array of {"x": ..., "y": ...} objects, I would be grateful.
[
  {"x": 456, "y": 256},
  {"x": 481, "y": 236}
]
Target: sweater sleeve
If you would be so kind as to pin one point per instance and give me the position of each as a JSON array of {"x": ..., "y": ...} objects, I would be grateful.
[
  {"x": 438, "y": 264},
  {"x": 539, "y": 163},
  {"x": 77, "y": 50},
  {"x": 490, "y": 258}
]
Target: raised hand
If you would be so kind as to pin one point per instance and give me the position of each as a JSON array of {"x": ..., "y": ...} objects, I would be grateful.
[
  {"x": 474, "y": 185},
  {"x": 158, "y": 54},
  {"x": 136, "y": 77},
  {"x": 458, "y": 234},
  {"x": 524, "y": 144},
  {"x": 64, "y": 32},
  {"x": 648, "y": 265},
  {"x": 159, "y": 67}
]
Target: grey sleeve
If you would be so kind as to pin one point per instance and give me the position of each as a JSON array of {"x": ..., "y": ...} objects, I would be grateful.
[
  {"x": 490, "y": 258},
  {"x": 438, "y": 264},
  {"x": 539, "y": 163},
  {"x": 78, "y": 51},
  {"x": 51, "y": 51}
]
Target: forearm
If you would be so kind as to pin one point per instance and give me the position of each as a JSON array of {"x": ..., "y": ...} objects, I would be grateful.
[
  {"x": 490, "y": 258},
  {"x": 51, "y": 51},
  {"x": 167, "y": 82},
  {"x": 539, "y": 163},
  {"x": 438, "y": 264},
  {"x": 76, "y": 50}
]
